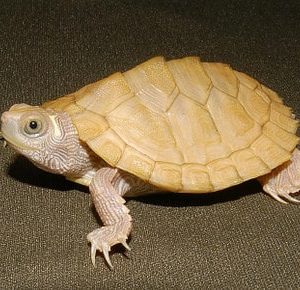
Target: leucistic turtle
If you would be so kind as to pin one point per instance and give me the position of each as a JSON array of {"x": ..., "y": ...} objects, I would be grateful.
[{"x": 181, "y": 125}]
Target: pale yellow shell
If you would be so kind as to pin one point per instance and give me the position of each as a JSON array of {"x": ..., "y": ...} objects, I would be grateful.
[{"x": 184, "y": 125}]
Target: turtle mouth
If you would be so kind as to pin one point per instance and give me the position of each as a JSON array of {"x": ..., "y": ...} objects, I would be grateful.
[
  {"x": 13, "y": 143},
  {"x": 3, "y": 139}
]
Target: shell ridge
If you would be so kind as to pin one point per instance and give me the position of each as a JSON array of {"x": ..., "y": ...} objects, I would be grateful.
[
  {"x": 177, "y": 92},
  {"x": 120, "y": 104},
  {"x": 204, "y": 107},
  {"x": 202, "y": 66},
  {"x": 174, "y": 137},
  {"x": 222, "y": 91}
]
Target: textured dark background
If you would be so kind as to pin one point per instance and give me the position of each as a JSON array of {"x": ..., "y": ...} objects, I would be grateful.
[{"x": 238, "y": 238}]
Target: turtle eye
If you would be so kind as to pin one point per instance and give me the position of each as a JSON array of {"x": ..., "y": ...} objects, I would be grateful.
[{"x": 33, "y": 127}]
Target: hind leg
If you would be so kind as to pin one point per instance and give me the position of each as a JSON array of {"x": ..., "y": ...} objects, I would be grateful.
[{"x": 284, "y": 180}]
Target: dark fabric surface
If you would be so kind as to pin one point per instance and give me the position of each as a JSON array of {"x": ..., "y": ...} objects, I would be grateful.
[{"x": 235, "y": 239}]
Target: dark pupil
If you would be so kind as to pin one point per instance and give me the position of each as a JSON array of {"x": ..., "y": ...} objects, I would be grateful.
[{"x": 33, "y": 125}]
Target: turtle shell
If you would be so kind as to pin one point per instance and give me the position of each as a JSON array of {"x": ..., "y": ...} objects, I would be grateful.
[{"x": 184, "y": 125}]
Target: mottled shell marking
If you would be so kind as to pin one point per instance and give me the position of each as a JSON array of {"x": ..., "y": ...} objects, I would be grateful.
[{"x": 184, "y": 125}]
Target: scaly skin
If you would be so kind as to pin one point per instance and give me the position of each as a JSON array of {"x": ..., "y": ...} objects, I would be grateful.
[
  {"x": 115, "y": 216},
  {"x": 53, "y": 145},
  {"x": 55, "y": 148},
  {"x": 284, "y": 180}
]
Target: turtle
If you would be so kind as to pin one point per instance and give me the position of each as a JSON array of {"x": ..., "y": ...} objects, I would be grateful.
[{"x": 179, "y": 125}]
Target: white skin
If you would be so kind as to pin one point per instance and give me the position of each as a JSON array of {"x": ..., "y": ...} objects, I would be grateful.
[{"x": 51, "y": 142}]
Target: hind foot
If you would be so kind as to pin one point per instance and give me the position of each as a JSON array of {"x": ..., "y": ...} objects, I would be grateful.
[{"x": 284, "y": 180}]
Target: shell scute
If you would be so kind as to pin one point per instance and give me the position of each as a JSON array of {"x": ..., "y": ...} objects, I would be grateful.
[
  {"x": 280, "y": 136},
  {"x": 109, "y": 146},
  {"x": 284, "y": 122},
  {"x": 246, "y": 80},
  {"x": 191, "y": 78},
  {"x": 73, "y": 109},
  {"x": 89, "y": 125},
  {"x": 145, "y": 130},
  {"x": 195, "y": 178},
  {"x": 223, "y": 173},
  {"x": 235, "y": 126},
  {"x": 248, "y": 164},
  {"x": 272, "y": 95},
  {"x": 138, "y": 163},
  {"x": 105, "y": 95},
  {"x": 282, "y": 109},
  {"x": 271, "y": 153},
  {"x": 193, "y": 129},
  {"x": 222, "y": 77},
  {"x": 168, "y": 175},
  {"x": 255, "y": 106},
  {"x": 59, "y": 104},
  {"x": 153, "y": 84},
  {"x": 262, "y": 94}
]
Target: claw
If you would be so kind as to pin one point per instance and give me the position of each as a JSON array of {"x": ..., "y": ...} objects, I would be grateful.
[
  {"x": 274, "y": 194},
  {"x": 291, "y": 199},
  {"x": 102, "y": 239},
  {"x": 105, "y": 250},
  {"x": 278, "y": 198},
  {"x": 124, "y": 243},
  {"x": 93, "y": 254},
  {"x": 282, "y": 182}
]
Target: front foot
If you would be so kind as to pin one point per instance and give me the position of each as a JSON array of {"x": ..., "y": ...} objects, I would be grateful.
[{"x": 107, "y": 236}]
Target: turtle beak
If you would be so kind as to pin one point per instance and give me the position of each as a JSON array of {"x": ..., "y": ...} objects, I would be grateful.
[
  {"x": 5, "y": 127},
  {"x": 9, "y": 130}
]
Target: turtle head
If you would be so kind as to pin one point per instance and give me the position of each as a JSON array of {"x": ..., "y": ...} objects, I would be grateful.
[{"x": 44, "y": 136}]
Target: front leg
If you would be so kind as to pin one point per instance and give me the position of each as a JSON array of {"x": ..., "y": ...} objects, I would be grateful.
[{"x": 113, "y": 213}]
